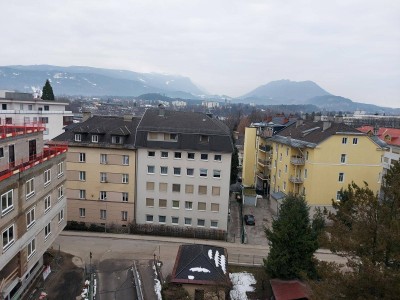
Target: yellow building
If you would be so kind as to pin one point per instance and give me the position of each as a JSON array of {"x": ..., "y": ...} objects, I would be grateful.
[{"x": 317, "y": 159}]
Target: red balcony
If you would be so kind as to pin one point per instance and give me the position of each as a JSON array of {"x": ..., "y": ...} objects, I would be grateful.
[
  {"x": 21, "y": 165},
  {"x": 10, "y": 130}
]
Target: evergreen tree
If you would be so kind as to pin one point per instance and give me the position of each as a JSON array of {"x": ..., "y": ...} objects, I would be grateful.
[
  {"x": 292, "y": 241},
  {"x": 47, "y": 92},
  {"x": 234, "y": 165}
]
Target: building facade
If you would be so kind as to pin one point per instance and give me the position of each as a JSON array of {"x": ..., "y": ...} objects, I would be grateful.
[
  {"x": 183, "y": 170},
  {"x": 23, "y": 108},
  {"x": 33, "y": 204},
  {"x": 101, "y": 170}
]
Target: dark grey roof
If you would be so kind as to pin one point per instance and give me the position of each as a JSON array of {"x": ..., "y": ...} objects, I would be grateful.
[
  {"x": 105, "y": 127},
  {"x": 188, "y": 126},
  {"x": 201, "y": 264}
]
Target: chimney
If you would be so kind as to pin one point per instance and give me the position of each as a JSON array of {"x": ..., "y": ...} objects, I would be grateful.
[
  {"x": 86, "y": 115},
  {"x": 128, "y": 118},
  {"x": 161, "y": 110},
  {"x": 317, "y": 118},
  {"x": 299, "y": 122},
  {"x": 326, "y": 125},
  {"x": 376, "y": 129}
]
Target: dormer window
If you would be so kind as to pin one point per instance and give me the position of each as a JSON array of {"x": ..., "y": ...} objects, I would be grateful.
[
  {"x": 116, "y": 139},
  {"x": 204, "y": 138},
  {"x": 173, "y": 137},
  {"x": 95, "y": 138},
  {"x": 78, "y": 137}
]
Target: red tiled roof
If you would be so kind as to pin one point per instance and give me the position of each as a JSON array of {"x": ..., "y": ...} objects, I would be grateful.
[
  {"x": 389, "y": 135},
  {"x": 289, "y": 289}
]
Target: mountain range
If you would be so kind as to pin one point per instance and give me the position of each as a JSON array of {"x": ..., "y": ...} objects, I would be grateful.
[{"x": 89, "y": 81}]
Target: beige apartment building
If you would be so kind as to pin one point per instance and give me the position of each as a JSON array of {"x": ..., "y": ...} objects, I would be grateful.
[
  {"x": 101, "y": 170},
  {"x": 33, "y": 204}
]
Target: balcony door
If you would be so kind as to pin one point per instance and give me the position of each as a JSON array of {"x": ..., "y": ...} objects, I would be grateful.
[
  {"x": 11, "y": 155},
  {"x": 32, "y": 149}
]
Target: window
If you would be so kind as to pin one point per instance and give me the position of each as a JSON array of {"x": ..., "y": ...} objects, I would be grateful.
[
  {"x": 125, "y": 160},
  {"x": 7, "y": 202},
  {"x": 47, "y": 177},
  {"x": 164, "y": 170},
  {"x": 103, "y": 214},
  {"x": 175, "y": 204},
  {"x": 150, "y": 186},
  {"x": 203, "y": 172},
  {"x": 204, "y": 156},
  {"x": 149, "y": 218},
  {"x": 103, "y": 195},
  {"x": 216, "y": 190},
  {"x": 284, "y": 185},
  {"x": 279, "y": 173},
  {"x": 201, "y": 206},
  {"x": 214, "y": 224},
  {"x": 164, "y": 154},
  {"x": 95, "y": 138},
  {"x": 341, "y": 177},
  {"x": 280, "y": 157},
  {"x": 162, "y": 219},
  {"x": 103, "y": 177},
  {"x": 285, "y": 168},
  {"x": 60, "y": 216},
  {"x": 217, "y": 157},
  {"x": 344, "y": 140},
  {"x": 82, "y": 194},
  {"x": 203, "y": 138},
  {"x": 287, "y": 151},
  {"x": 82, "y": 212},
  {"x": 151, "y": 153},
  {"x": 103, "y": 159},
  {"x": 150, "y": 169},
  {"x": 202, "y": 190},
  {"x": 4, "y": 106},
  {"x": 46, "y": 107},
  {"x": 188, "y": 205},
  {"x": 149, "y": 202},
  {"x": 78, "y": 137},
  {"x": 355, "y": 141},
  {"x": 124, "y": 197},
  {"x": 215, "y": 207},
  {"x": 217, "y": 173},
  {"x": 1, "y": 152},
  {"x": 190, "y": 155},
  {"x": 82, "y": 175},
  {"x": 31, "y": 248},
  {"x": 306, "y": 155},
  {"x": 305, "y": 173},
  {"x": 338, "y": 195},
  {"x": 173, "y": 137},
  {"x": 162, "y": 203},
  {"x": 116, "y": 139},
  {"x": 60, "y": 169},
  {"x": 176, "y": 187},
  {"x": 188, "y": 221},
  {"x": 201, "y": 222},
  {"x": 82, "y": 157},
  {"x": 30, "y": 188},
  {"x": 60, "y": 192},
  {"x": 189, "y": 188},
  {"x": 177, "y": 171},
  {"x": 343, "y": 158},
  {"x": 189, "y": 172},
  {"x": 163, "y": 187},
  {"x": 8, "y": 237},
  {"x": 175, "y": 220},
  {"x": 47, "y": 203},
  {"x": 125, "y": 178},
  {"x": 152, "y": 136},
  {"x": 124, "y": 215},
  {"x": 178, "y": 155},
  {"x": 30, "y": 218},
  {"x": 47, "y": 230},
  {"x": 9, "y": 120}
]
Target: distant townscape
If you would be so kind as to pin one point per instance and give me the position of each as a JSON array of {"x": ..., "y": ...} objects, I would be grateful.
[{"x": 253, "y": 194}]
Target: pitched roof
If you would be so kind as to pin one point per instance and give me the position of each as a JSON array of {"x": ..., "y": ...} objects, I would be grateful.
[
  {"x": 105, "y": 127},
  {"x": 289, "y": 289},
  {"x": 389, "y": 135},
  {"x": 201, "y": 264},
  {"x": 311, "y": 133}
]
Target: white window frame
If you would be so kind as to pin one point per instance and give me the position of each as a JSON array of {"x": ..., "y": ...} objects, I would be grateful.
[
  {"x": 191, "y": 171},
  {"x": 103, "y": 158},
  {"x": 151, "y": 169},
  {"x": 60, "y": 192},
  {"x": 203, "y": 172},
  {"x": 190, "y": 154},
  {"x": 217, "y": 157},
  {"x": 355, "y": 141},
  {"x": 176, "y": 201},
  {"x": 31, "y": 248},
  {"x": 47, "y": 177},
  {"x": 177, "y": 155},
  {"x": 82, "y": 176},
  {"x": 82, "y": 212},
  {"x": 82, "y": 157},
  {"x": 189, "y": 205},
  {"x": 203, "y": 221},
  {"x": 338, "y": 196},
  {"x": 30, "y": 218},
  {"x": 60, "y": 215},
  {"x": 60, "y": 169},
  {"x": 47, "y": 203},
  {"x": 95, "y": 138},
  {"x": 341, "y": 177},
  {"x": 159, "y": 219},
  {"x": 164, "y": 154},
  {"x": 163, "y": 170},
  {"x": 344, "y": 140},
  {"x": 82, "y": 194},
  {"x": 215, "y": 222},
  {"x": 204, "y": 156},
  {"x": 124, "y": 215},
  {"x": 175, "y": 219},
  {"x": 30, "y": 188},
  {"x": 125, "y": 178},
  {"x": 149, "y": 218},
  {"x": 103, "y": 214},
  {"x": 78, "y": 137},
  {"x": 103, "y": 195},
  {"x": 103, "y": 177},
  {"x": 9, "y": 237},
  {"x": 188, "y": 221},
  {"x": 151, "y": 153},
  {"x": 125, "y": 160},
  {"x": 47, "y": 231},
  {"x": 177, "y": 171},
  {"x": 125, "y": 197},
  {"x": 343, "y": 158},
  {"x": 216, "y": 173},
  {"x": 8, "y": 201}
]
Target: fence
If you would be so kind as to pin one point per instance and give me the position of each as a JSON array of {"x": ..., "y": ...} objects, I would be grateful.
[{"x": 244, "y": 259}]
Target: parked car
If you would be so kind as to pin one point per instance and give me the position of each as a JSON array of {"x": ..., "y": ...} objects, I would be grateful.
[{"x": 249, "y": 220}]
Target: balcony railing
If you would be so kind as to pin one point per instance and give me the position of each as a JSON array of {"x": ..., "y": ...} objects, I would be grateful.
[
  {"x": 31, "y": 161},
  {"x": 264, "y": 162},
  {"x": 297, "y": 160},
  {"x": 296, "y": 179},
  {"x": 263, "y": 176},
  {"x": 10, "y": 130},
  {"x": 264, "y": 148}
]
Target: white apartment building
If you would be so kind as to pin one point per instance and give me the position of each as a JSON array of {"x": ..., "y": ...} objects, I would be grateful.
[
  {"x": 183, "y": 170},
  {"x": 23, "y": 108},
  {"x": 33, "y": 204}
]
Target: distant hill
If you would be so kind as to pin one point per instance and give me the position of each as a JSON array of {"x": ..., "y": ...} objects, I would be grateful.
[
  {"x": 284, "y": 92},
  {"x": 88, "y": 81}
]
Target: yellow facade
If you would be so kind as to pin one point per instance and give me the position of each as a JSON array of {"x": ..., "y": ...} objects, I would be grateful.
[
  {"x": 319, "y": 173},
  {"x": 105, "y": 170},
  {"x": 249, "y": 156}
]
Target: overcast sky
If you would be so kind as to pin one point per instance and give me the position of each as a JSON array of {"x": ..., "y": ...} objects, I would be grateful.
[{"x": 350, "y": 48}]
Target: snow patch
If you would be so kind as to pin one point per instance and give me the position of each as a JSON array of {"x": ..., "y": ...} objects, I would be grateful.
[
  {"x": 190, "y": 277},
  {"x": 200, "y": 269},
  {"x": 157, "y": 284},
  {"x": 241, "y": 284},
  {"x": 216, "y": 259},
  {"x": 210, "y": 254},
  {"x": 223, "y": 263}
]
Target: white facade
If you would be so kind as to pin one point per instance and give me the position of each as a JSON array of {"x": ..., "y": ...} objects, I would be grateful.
[
  {"x": 27, "y": 111},
  {"x": 166, "y": 194}
]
